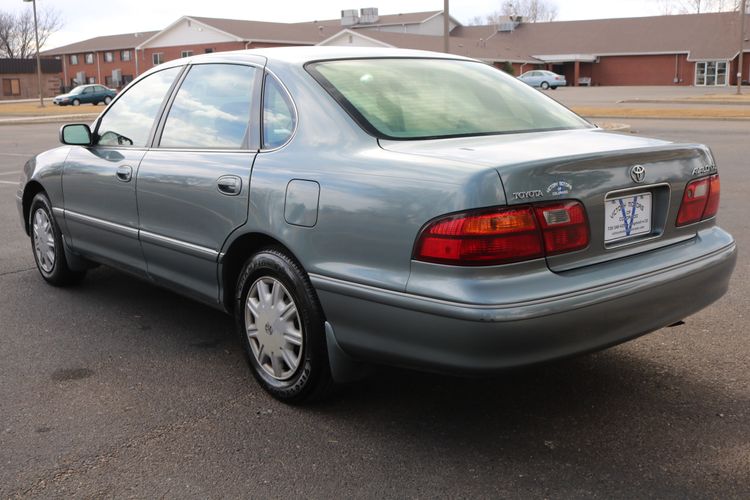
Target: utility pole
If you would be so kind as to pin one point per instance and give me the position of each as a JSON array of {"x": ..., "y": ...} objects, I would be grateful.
[
  {"x": 743, "y": 15},
  {"x": 38, "y": 59},
  {"x": 447, "y": 27}
]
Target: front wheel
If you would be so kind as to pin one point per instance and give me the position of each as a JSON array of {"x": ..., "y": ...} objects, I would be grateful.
[
  {"x": 107, "y": 100},
  {"x": 47, "y": 245},
  {"x": 544, "y": 85},
  {"x": 282, "y": 328}
]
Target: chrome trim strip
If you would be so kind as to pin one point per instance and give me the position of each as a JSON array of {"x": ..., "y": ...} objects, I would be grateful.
[
  {"x": 178, "y": 245},
  {"x": 128, "y": 231},
  {"x": 60, "y": 212}
]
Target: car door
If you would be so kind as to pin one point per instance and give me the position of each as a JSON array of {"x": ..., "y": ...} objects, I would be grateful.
[
  {"x": 99, "y": 181},
  {"x": 193, "y": 185}
]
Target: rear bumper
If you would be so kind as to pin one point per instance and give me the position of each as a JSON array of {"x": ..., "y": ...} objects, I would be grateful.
[{"x": 377, "y": 325}]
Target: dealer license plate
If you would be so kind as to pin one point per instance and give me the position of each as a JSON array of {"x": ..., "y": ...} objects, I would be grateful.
[{"x": 627, "y": 216}]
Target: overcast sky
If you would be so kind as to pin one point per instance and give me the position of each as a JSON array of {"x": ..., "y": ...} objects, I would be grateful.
[{"x": 88, "y": 18}]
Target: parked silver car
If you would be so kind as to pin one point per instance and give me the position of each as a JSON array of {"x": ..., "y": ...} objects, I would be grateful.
[
  {"x": 543, "y": 79},
  {"x": 356, "y": 206}
]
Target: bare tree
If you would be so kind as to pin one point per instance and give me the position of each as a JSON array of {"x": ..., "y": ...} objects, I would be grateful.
[
  {"x": 531, "y": 10},
  {"x": 17, "y": 32},
  {"x": 698, "y": 6}
]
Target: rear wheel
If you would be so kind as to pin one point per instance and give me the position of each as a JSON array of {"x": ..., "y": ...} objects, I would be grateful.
[
  {"x": 544, "y": 85},
  {"x": 282, "y": 328},
  {"x": 554, "y": 88},
  {"x": 76, "y": 102},
  {"x": 47, "y": 245}
]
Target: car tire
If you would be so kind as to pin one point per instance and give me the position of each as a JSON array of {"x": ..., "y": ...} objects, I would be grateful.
[
  {"x": 47, "y": 245},
  {"x": 107, "y": 100},
  {"x": 544, "y": 85},
  {"x": 554, "y": 88},
  {"x": 286, "y": 351},
  {"x": 76, "y": 102}
]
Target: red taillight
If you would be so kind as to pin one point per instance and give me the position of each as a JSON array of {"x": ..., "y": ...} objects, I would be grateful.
[
  {"x": 505, "y": 235},
  {"x": 564, "y": 226},
  {"x": 699, "y": 201}
]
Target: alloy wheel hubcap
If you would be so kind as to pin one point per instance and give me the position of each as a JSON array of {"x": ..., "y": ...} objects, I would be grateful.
[
  {"x": 273, "y": 328},
  {"x": 44, "y": 240}
]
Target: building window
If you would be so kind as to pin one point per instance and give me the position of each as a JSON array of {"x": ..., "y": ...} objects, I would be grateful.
[
  {"x": 157, "y": 58},
  {"x": 109, "y": 57},
  {"x": 90, "y": 58},
  {"x": 711, "y": 73},
  {"x": 208, "y": 51},
  {"x": 92, "y": 79},
  {"x": 186, "y": 53},
  {"x": 73, "y": 58},
  {"x": 11, "y": 86},
  {"x": 126, "y": 79},
  {"x": 125, "y": 55}
]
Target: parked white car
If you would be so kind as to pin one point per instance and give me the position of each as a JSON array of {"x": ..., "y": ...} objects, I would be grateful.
[{"x": 543, "y": 79}]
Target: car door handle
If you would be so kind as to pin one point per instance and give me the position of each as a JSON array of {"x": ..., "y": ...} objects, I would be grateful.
[
  {"x": 230, "y": 185},
  {"x": 124, "y": 173}
]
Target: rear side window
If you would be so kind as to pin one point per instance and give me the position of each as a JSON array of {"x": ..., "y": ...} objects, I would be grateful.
[
  {"x": 211, "y": 109},
  {"x": 278, "y": 115},
  {"x": 128, "y": 121},
  {"x": 432, "y": 98}
]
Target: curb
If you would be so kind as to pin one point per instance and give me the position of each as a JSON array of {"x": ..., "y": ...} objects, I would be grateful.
[
  {"x": 27, "y": 120},
  {"x": 697, "y": 102}
]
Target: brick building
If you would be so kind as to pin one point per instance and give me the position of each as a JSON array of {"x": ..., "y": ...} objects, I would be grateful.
[
  {"x": 18, "y": 78},
  {"x": 698, "y": 49}
]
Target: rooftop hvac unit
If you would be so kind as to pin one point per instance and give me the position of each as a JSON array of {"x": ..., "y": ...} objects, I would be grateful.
[
  {"x": 349, "y": 17},
  {"x": 368, "y": 15}
]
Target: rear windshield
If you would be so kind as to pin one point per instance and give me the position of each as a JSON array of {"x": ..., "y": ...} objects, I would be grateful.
[{"x": 430, "y": 98}]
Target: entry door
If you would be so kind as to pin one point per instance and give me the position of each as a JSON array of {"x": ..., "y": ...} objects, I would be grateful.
[
  {"x": 99, "y": 181},
  {"x": 193, "y": 188}
]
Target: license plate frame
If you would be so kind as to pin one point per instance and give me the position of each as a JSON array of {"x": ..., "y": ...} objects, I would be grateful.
[{"x": 626, "y": 217}]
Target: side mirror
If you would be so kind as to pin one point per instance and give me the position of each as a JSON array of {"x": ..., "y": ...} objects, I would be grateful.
[{"x": 75, "y": 134}]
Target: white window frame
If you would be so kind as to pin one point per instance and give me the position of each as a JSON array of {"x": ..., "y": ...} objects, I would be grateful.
[
  {"x": 716, "y": 74},
  {"x": 157, "y": 58},
  {"x": 125, "y": 55},
  {"x": 73, "y": 58},
  {"x": 109, "y": 57},
  {"x": 88, "y": 58},
  {"x": 186, "y": 53}
]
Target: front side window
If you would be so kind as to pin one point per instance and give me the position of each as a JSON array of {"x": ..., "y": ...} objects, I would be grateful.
[
  {"x": 432, "y": 98},
  {"x": 212, "y": 108},
  {"x": 278, "y": 115},
  {"x": 128, "y": 121}
]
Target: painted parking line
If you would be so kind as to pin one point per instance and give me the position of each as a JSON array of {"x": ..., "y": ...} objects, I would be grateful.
[
  {"x": 10, "y": 173},
  {"x": 26, "y": 155},
  {"x": 14, "y": 183}
]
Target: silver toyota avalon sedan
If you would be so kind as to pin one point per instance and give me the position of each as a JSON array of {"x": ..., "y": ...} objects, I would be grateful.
[{"x": 360, "y": 206}]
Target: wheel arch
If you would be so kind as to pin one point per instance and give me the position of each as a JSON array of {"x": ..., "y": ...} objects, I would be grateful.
[
  {"x": 31, "y": 189},
  {"x": 235, "y": 256}
]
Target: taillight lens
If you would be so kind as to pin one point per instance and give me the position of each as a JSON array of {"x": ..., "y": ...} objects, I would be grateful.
[
  {"x": 501, "y": 236},
  {"x": 483, "y": 238},
  {"x": 564, "y": 226},
  {"x": 700, "y": 200}
]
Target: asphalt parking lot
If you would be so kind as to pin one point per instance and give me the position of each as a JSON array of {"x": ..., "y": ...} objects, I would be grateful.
[{"x": 117, "y": 388}]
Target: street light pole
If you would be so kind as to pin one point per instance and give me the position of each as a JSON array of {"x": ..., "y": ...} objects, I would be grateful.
[
  {"x": 743, "y": 15},
  {"x": 446, "y": 27},
  {"x": 38, "y": 59}
]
